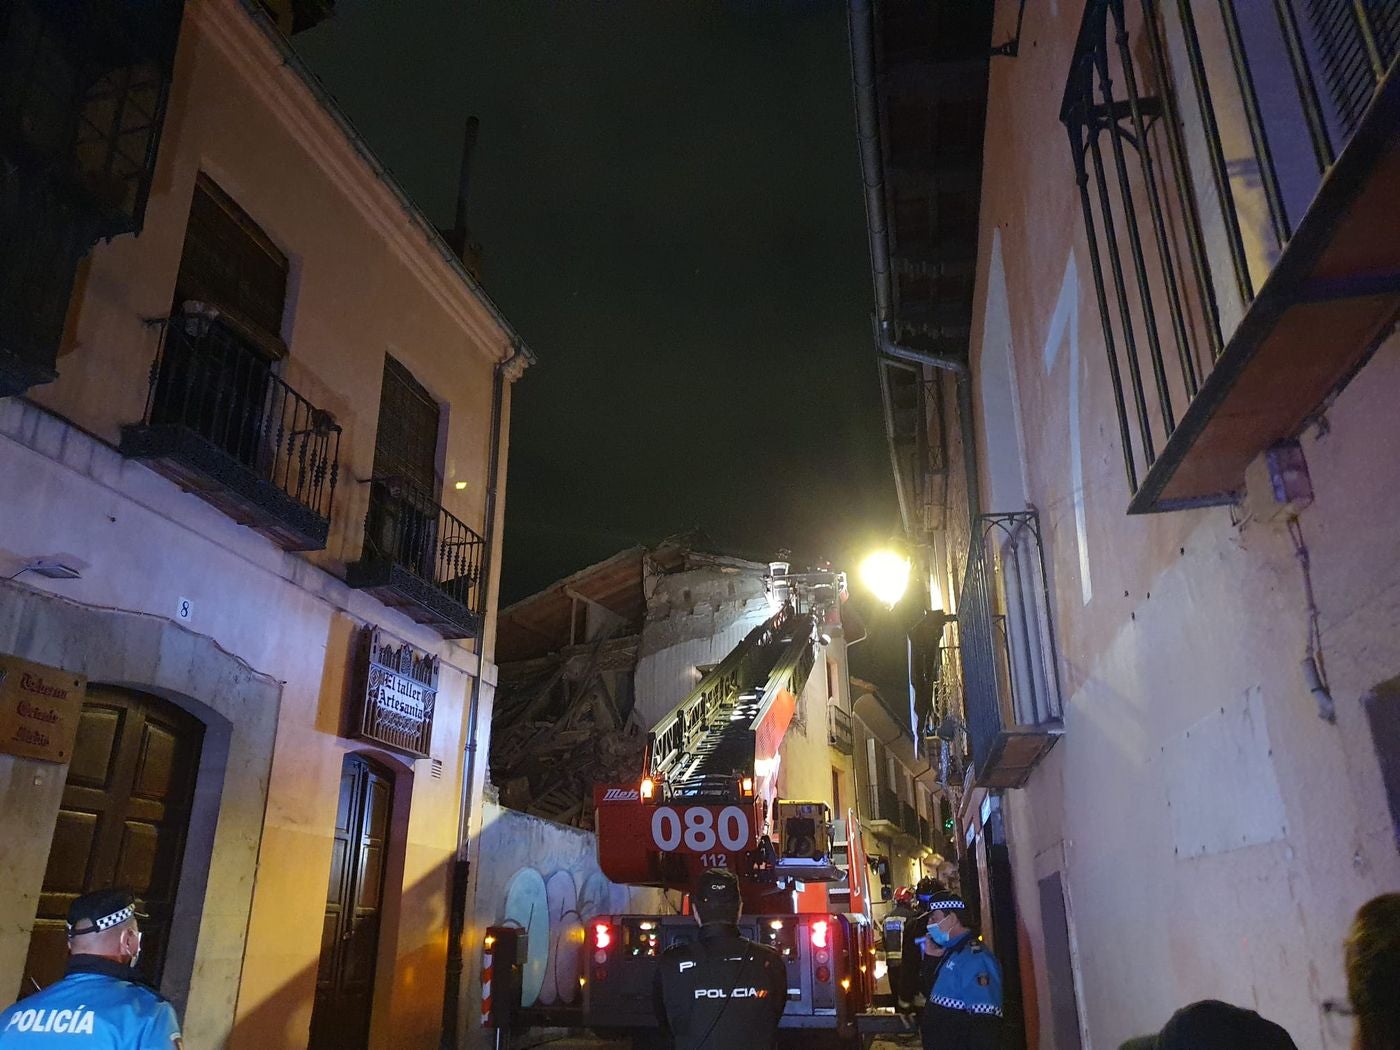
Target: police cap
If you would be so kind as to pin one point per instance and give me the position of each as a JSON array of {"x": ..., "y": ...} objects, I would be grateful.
[
  {"x": 101, "y": 910},
  {"x": 946, "y": 900},
  {"x": 716, "y": 886}
]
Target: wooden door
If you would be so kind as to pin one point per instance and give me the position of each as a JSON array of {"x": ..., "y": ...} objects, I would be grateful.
[
  {"x": 1059, "y": 965},
  {"x": 354, "y": 900},
  {"x": 122, "y": 822}
]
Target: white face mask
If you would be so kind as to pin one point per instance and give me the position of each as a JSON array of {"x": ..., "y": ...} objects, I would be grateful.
[{"x": 136, "y": 955}]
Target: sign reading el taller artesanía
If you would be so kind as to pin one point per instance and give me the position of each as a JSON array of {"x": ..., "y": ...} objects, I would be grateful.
[
  {"x": 399, "y": 694},
  {"x": 39, "y": 709}
]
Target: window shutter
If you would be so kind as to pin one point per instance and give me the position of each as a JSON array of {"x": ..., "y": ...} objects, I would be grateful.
[
  {"x": 406, "y": 445},
  {"x": 229, "y": 263}
]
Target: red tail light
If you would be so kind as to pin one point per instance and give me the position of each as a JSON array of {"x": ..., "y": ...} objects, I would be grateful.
[
  {"x": 820, "y": 929},
  {"x": 602, "y": 935}
]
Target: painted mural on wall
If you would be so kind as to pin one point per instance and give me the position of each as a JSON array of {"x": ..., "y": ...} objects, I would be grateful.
[
  {"x": 544, "y": 878},
  {"x": 554, "y": 909}
]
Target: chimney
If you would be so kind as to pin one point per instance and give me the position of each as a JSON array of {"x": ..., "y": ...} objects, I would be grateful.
[{"x": 459, "y": 237}]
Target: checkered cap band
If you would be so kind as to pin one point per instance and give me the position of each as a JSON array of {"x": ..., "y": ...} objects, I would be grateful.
[
  {"x": 948, "y": 1002},
  {"x": 953, "y": 904},
  {"x": 106, "y": 922}
]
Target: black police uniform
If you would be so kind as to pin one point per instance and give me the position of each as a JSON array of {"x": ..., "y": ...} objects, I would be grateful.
[
  {"x": 911, "y": 960},
  {"x": 720, "y": 992}
]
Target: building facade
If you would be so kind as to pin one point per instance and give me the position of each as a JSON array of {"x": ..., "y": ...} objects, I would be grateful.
[
  {"x": 253, "y": 444},
  {"x": 1143, "y": 329},
  {"x": 902, "y": 806}
]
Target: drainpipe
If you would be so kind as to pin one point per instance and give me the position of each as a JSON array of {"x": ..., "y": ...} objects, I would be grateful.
[
  {"x": 519, "y": 357},
  {"x": 861, "y": 17}
]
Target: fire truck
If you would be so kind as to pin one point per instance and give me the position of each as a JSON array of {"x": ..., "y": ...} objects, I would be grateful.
[{"x": 706, "y": 798}]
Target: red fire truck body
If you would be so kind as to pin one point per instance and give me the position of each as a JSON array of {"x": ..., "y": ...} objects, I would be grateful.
[{"x": 707, "y": 799}]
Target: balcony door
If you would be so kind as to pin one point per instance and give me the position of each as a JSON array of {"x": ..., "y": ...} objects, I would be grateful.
[
  {"x": 354, "y": 903},
  {"x": 123, "y": 819},
  {"x": 403, "y": 511},
  {"x": 224, "y": 338}
]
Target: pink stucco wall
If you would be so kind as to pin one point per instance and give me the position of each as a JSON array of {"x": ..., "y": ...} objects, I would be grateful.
[{"x": 1180, "y": 635}]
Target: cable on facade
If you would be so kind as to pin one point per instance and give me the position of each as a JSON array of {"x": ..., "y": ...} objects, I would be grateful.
[{"x": 1313, "y": 666}]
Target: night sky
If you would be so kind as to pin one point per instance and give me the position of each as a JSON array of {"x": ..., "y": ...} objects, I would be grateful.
[{"x": 670, "y": 205}]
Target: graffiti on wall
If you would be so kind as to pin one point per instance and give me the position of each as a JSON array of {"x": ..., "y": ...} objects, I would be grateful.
[{"x": 554, "y": 911}]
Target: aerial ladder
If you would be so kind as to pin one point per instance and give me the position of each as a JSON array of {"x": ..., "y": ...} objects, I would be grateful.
[{"x": 706, "y": 797}]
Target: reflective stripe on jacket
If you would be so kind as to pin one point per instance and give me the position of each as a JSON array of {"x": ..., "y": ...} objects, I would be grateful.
[{"x": 968, "y": 979}]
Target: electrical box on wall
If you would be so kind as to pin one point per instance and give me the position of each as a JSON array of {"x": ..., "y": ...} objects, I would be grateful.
[{"x": 1277, "y": 484}]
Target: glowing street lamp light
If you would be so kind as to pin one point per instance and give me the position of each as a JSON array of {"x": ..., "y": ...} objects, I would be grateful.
[{"x": 886, "y": 574}]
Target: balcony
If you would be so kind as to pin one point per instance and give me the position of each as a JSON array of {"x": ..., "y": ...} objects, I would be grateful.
[
  {"x": 220, "y": 423},
  {"x": 1007, "y": 641},
  {"x": 909, "y": 820},
  {"x": 838, "y": 730},
  {"x": 83, "y": 87},
  {"x": 420, "y": 559},
  {"x": 884, "y": 816},
  {"x": 1237, "y": 167}
]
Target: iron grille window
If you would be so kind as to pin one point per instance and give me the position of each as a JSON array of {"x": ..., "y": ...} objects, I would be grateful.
[
  {"x": 1173, "y": 165},
  {"x": 1005, "y": 633},
  {"x": 83, "y": 86},
  {"x": 1161, "y": 325}
]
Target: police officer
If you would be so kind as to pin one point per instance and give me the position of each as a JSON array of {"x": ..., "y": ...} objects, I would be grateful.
[
  {"x": 961, "y": 980},
  {"x": 906, "y": 982},
  {"x": 98, "y": 1005},
  {"x": 722, "y": 991}
]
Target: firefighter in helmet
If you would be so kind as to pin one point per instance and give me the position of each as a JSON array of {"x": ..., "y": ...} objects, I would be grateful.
[{"x": 892, "y": 928}]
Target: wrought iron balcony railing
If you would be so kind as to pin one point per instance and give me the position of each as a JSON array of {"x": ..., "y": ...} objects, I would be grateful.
[
  {"x": 222, "y": 423},
  {"x": 1007, "y": 642},
  {"x": 1237, "y": 165},
  {"x": 909, "y": 819},
  {"x": 884, "y": 813},
  {"x": 421, "y": 559},
  {"x": 838, "y": 730}
]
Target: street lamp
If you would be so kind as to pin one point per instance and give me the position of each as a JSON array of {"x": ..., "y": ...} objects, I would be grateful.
[{"x": 886, "y": 574}]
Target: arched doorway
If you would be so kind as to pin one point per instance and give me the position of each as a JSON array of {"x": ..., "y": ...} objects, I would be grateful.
[
  {"x": 123, "y": 822},
  {"x": 354, "y": 904}
]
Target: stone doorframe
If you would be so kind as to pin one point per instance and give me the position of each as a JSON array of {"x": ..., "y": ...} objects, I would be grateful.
[{"x": 239, "y": 707}]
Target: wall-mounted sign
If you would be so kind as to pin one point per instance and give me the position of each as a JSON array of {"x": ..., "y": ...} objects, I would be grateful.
[
  {"x": 396, "y": 695},
  {"x": 39, "y": 709}
]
